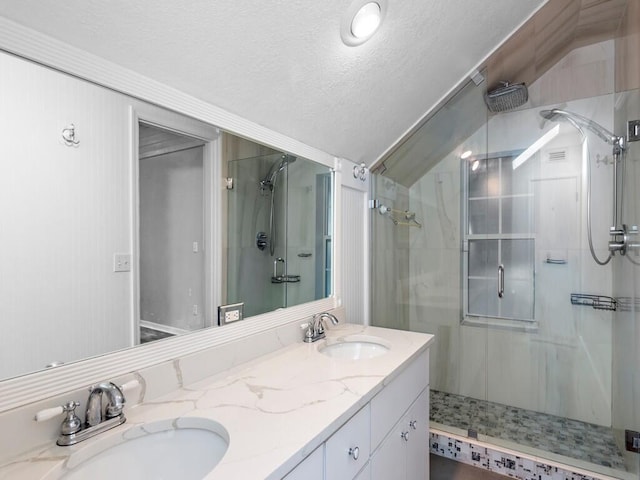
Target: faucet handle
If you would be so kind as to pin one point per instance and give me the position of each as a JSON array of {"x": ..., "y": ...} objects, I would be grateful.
[
  {"x": 71, "y": 424},
  {"x": 130, "y": 385},
  {"x": 49, "y": 413}
]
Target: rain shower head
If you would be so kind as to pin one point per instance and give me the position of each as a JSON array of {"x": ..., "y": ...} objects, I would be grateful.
[
  {"x": 579, "y": 122},
  {"x": 506, "y": 97}
]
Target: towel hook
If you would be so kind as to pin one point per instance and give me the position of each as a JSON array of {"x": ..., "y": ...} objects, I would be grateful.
[{"x": 69, "y": 136}]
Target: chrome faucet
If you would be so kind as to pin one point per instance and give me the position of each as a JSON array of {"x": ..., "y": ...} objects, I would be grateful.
[
  {"x": 315, "y": 329},
  {"x": 104, "y": 411},
  {"x": 99, "y": 411}
]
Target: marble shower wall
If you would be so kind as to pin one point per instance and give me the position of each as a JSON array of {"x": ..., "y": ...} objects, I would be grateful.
[{"x": 564, "y": 367}]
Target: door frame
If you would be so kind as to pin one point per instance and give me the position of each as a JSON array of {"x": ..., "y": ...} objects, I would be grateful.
[{"x": 212, "y": 190}]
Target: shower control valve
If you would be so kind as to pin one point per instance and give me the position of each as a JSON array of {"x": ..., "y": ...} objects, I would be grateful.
[
  {"x": 262, "y": 240},
  {"x": 620, "y": 238}
]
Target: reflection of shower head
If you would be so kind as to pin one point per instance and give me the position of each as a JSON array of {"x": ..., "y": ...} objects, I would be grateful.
[
  {"x": 270, "y": 179},
  {"x": 578, "y": 121}
]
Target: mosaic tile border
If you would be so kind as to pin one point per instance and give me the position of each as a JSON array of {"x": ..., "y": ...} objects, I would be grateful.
[{"x": 511, "y": 465}]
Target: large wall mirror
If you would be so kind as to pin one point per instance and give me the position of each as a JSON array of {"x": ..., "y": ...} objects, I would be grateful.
[{"x": 120, "y": 228}]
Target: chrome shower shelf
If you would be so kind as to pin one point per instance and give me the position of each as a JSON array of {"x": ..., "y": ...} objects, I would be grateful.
[{"x": 599, "y": 302}]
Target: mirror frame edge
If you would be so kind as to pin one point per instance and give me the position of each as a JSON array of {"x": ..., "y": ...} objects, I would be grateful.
[{"x": 46, "y": 51}]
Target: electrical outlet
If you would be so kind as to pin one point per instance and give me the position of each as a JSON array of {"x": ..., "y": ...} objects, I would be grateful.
[
  {"x": 121, "y": 262},
  {"x": 230, "y": 313}
]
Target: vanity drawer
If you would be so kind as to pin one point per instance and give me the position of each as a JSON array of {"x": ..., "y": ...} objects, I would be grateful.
[
  {"x": 347, "y": 451},
  {"x": 390, "y": 404}
]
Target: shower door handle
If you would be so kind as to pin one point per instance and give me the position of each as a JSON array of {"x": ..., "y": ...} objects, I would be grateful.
[{"x": 500, "y": 281}]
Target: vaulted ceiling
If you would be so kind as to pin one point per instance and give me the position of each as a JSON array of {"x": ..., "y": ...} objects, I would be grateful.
[
  {"x": 556, "y": 29},
  {"x": 282, "y": 64}
]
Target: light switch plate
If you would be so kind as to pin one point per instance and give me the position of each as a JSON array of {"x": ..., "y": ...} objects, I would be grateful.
[{"x": 121, "y": 262}]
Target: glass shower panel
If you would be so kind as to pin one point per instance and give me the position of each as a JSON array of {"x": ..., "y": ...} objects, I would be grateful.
[
  {"x": 517, "y": 215},
  {"x": 308, "y": 232},
  {"x": 484, "y": 216},
  {"x": 417, "y": 277},
  {"x": 250, "y": 268}
]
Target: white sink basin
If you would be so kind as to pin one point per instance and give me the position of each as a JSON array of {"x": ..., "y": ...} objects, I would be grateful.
[
  {"x": 183, "y": 448},
  {"x": 355, "y": 347}
]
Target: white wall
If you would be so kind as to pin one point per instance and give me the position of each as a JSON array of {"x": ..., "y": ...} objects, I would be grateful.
[{"x": 65, "y": 212}]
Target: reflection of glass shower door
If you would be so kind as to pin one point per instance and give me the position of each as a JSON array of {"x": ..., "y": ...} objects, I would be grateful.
[
  {"x": 279, "y": 232},
  {"x": 250, "y": 264}
]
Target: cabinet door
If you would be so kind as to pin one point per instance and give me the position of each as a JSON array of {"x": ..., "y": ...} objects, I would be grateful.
[
  {"x": 311, "y": 468},
  {"x": 417, "y": 423},
  {"x": 388, "y": 406},
  {"x": 389, "y": 461},
  {"x": 347, "y": 450}
]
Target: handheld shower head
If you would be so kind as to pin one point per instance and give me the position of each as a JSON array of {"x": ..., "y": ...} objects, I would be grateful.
[
  {"x": 270, "y": 179},
  {"x": 580, "y": 122}
]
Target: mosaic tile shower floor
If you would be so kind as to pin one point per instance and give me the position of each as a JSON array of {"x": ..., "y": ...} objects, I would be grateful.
[{"x": 562, "y": 436}]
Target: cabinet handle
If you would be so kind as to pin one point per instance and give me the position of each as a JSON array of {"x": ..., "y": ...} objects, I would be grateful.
[
  {"x": 354, "y": 452},
  {"x": 413, "y": 424},
  {"x": 405, "y": 436}
]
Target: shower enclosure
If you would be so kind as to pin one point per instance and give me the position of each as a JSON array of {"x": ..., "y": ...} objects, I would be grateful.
[{"x": 536, "y": 343}]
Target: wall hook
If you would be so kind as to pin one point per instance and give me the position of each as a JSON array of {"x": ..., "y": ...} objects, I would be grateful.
[{"x": 69, "y": 136}]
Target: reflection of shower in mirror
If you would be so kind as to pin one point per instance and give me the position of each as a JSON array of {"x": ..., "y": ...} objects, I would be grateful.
[{"x": 268, "y": 185}]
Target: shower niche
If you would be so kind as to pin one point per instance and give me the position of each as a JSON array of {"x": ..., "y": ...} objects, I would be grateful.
[{"x": 279, "y": 231}]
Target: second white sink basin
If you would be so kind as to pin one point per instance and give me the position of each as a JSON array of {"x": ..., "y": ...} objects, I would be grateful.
[
  {"x": 183, "y": 448},
  {"x": 355, "y": 347}
]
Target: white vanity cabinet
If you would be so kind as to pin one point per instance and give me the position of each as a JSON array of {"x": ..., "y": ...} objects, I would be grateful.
[{"x": 387, "y": 439}]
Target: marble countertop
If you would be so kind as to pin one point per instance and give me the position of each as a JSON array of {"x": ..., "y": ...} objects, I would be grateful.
[{"x": 276, "y": 409}]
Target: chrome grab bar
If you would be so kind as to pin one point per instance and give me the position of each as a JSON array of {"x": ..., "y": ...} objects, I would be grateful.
[{"x": 500, "y": 281}]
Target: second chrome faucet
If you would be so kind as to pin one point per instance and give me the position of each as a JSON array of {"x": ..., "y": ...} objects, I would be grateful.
[{"x": 315, "y": 329}]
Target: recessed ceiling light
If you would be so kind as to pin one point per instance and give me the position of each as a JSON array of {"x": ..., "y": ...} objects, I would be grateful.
[
  {"x": 466, "y": 154},
  {"x": 366, "y": 21},
  {"x": 475, "y": 165},
  {"x": 361, "y": 20}
]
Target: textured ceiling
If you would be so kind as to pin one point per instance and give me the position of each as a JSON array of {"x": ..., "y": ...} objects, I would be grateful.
[{"x": 282, "y": 63}]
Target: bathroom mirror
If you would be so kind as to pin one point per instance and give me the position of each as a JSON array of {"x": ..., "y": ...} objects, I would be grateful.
[{"x": 113, "y": 210}]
